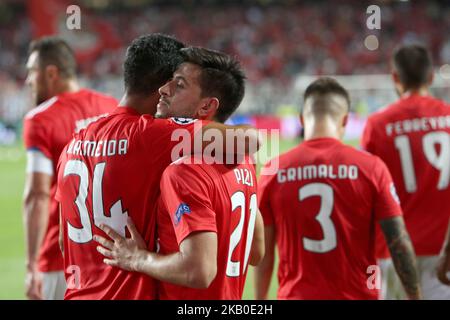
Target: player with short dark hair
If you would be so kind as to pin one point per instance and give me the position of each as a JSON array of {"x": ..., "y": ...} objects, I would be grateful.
[
  {"x": 208, "y": 223},
  {"x": 56, "y": 52},
  {"x": 144, "y": 72},
  {"x": 111, "y": 171},
  {"x": 321, "y": 207},
  {"x": 412, "y": 136},
  {"x": 62, "y": 109},
  {"x": 413, "y": 68}
]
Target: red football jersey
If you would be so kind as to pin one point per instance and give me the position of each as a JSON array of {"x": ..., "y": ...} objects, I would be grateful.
[
  {"x": 412, "y": 136},
  {"x": 217, "y": 198},
  {"x": 109, "y": 172},
  {"x": 324, "y": 201},
  {"x": 48, "y": 128}
]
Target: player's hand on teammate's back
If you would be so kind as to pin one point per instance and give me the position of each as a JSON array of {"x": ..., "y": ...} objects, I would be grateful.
[
  {"x": 33, "y": 285},
  {"x": 121, "y": 252},
  {"x": 443, "y": 269}
]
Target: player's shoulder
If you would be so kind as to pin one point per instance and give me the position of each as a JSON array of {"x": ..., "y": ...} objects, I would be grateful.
[
  {"x": 184, "y": 125},
  {"x": 367, "y": 162},
  {"x": 189, "y": 168},
  {"x": 350, "y": 155},
  {"x": 167, "y": 123},
  {"x": 384, "y": 113},
  {"x": 93, "y": 100},
  {"x": 359, "y": 155},
  {"x": 187, "y": 163},
  {"x": 42, "y": 110},
  {"x": 441, "y": 107},
  {"x": 285, "y": 158},
  {"x": 95, "y": 93},
  {"x": 282, "y": 161},
  {"x": 164, "y": 131},
  {"x": 99, "y": 96}
]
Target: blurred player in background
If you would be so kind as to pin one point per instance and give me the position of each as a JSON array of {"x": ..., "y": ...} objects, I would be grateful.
[
  {"x": 321, "y": 208},
  {"x": 63, "y": 108},
  {"x": 112, "y": 170},
  {"x": 207, "y": 212},
  {"x": 412, "y": 136}
]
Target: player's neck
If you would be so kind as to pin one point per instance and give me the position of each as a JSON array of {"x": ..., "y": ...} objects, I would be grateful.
[
  {"x": 323, "y": 128},
  {"x": 319, "y": 132},
  {"x": 67, "y": 86},
  {"x": 321, "y": 135},
  {"x": 422, "y": 91},
  {"x": 142, "y": 104}
]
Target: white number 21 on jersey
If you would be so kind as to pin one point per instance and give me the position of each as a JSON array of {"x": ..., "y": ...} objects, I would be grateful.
[
  {"x": 118, "y": 218},
  {"x": 238, "y": 201}
]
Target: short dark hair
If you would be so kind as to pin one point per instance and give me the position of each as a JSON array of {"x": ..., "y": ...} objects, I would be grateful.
[
  {"x": 221, "y": 77},
  {"x": 150, "y": 62},
  {"x": 413, "y": 64},
  {"x": 55, "y": 51},
  {"x": 325, "y": 86}
]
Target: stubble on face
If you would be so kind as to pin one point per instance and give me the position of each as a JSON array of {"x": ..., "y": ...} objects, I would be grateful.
[{"x": 181, "y": 96}]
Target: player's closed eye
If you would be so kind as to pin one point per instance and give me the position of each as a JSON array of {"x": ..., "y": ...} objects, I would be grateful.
[{"x": 179, "y": 85}]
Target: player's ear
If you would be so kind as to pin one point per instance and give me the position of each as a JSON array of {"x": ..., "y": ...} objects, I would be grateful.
[
  {"x": 51, "y": 72},
  {"x": 208, "y": 108},
  {"x": 302, "y": 122},
  {"x": 397, "y": 83},
  {"x": 345, "y": 120},
  {"x": 395, "y": 77}
]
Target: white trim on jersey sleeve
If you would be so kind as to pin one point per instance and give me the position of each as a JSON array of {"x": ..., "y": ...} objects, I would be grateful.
[
  {"x": 42, "y": 107},
  {"x": 38, "y": 162}
]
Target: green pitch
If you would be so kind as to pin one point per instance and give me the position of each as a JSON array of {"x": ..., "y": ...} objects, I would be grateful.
[{"x": 12, "y": 248}]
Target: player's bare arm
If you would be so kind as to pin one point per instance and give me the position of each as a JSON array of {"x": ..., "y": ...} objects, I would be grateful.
[
  {"x": 444, "y": 261},
  {"x": 244, "y": 139},
  {"x": 35, "y": 215},
  {"x": 403, "y": 255},
  {"x": 258, "y": 246},
  {"x": 263, "y": 272},
  {"x": 193, "y": 266}
]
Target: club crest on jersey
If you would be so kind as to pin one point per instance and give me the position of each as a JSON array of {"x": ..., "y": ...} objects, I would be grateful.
[
  {"x": 394, "y": 193},
  {"x": 184, "y": 121},
  {"x": 182, "y": 209}
]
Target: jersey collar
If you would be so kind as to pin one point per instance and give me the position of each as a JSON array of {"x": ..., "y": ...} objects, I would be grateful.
[{"x": 323, "y": 139}]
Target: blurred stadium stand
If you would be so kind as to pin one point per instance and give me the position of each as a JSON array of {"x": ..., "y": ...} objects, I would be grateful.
[{"x": 283, "y": 45}]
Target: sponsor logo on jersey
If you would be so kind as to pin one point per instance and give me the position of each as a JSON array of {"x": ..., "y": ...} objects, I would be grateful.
[
  {"x": 184, "y": 121},
  {"x": 394, "y": 193},
  {"x": 182, "y": 209}
]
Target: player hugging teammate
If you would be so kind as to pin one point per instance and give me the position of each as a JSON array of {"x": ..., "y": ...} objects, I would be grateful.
[{"x": 140, "y": 221}]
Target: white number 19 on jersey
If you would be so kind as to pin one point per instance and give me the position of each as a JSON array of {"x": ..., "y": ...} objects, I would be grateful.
[{"x": 439, "y": 161}]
